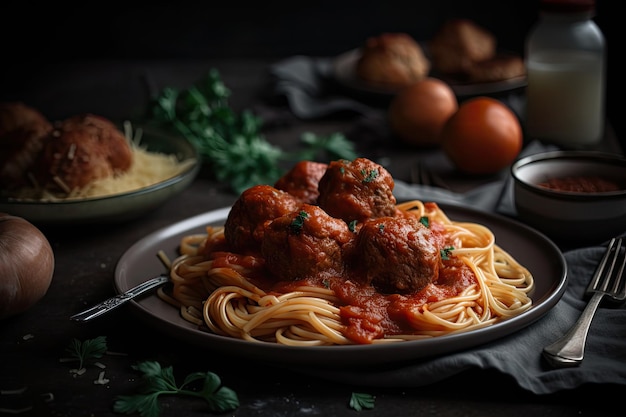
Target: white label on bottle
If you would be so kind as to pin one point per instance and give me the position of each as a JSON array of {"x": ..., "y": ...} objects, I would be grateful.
[{"x": 565, "y": 97}]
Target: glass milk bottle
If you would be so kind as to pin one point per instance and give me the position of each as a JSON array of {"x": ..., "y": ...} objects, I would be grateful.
[{"x": 565, "y": 63}]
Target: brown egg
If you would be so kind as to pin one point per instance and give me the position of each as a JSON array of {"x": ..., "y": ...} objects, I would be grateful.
[{"x": 418, "y": 113}]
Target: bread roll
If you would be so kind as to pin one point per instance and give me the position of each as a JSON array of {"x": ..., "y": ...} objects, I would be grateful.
[
  {"x": 459, "y": 44},
  {"x": 393, "y": 59}
]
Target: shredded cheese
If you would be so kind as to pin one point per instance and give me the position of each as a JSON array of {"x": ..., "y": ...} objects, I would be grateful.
[
  {"x": 148, "y": 168},
  {"x": 101, "y": 379}
]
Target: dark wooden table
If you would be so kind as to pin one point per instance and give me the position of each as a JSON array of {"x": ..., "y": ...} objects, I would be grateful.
[{"x": 33, "y": 378}]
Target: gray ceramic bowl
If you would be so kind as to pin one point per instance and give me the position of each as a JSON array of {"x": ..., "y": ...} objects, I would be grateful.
[
  {"x": 117, "y": 207},
  {"x": 571, "y": 217}
]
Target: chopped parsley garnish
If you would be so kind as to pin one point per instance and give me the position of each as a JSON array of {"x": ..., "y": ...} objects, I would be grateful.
[
  {"x": 369, "y": 176},
  {"x": 445, "y": 252},
  {"x": 298, "y": 222},
  {"x": 381, "y": 227},
  {"x": 352, "y": 225},
  {"x": 424, "y": 220},
  {"x": 158, "y": 381}
]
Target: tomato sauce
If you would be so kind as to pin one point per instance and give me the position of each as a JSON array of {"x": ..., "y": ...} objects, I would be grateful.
[
  {"x": 230, "y": 259},
  {"x": 254, "y": 265},
  {"x": 371, "y": 315},
  {"x": 581, "y": 184},
  {"x": 367, "y": 313}
]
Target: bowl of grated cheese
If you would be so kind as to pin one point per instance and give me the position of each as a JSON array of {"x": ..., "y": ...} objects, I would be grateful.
[{"x": 163, "y": 166}]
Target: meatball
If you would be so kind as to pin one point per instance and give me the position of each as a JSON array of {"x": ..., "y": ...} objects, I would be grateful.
[
  {"x": 20, "y": 148},
  {"x": 397, "y": 254},
  {"x": 357, "y": 190},
  {"x": 22, "y": 129},
  {"x": 393, "y": 59},
  {"x": 114, "y": 145},
  {"x": 80, "y": 150},
  {"x": 255, "y": 207},
  {"x": 16, "y": 115},
  {"x": 305, "y": 243},
  {"x": 301, "y": 181}
]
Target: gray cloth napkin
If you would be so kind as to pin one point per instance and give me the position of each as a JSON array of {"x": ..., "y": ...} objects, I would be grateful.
[{"x": 307, "y": 84}]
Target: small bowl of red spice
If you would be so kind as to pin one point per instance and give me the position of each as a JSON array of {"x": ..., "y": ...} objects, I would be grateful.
[{"x": 573, "y": 197}]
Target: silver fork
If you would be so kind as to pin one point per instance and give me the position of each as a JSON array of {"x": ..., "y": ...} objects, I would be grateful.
[
  {"x": 421, "y": 174},
  {"x": 609, "y": 280}
]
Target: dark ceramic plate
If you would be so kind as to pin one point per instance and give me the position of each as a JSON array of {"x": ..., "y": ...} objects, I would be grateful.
[
  {"x": 539, "y": 254},
  {"x": 343, "y": 72}
]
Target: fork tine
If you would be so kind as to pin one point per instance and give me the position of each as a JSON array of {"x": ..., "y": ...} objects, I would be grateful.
[
  {"x": 425, "y": 174},
  {"x": 607, "y": 278},
  {"x": 421, "y": 174},
  {"x": 599, "y": 282},
  {"x": 437, "y": 181},
  {"x": 619, "y": 286},
  {"x": 416, "y": 177}
]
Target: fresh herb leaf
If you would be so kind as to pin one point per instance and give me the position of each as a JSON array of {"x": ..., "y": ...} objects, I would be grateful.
[
  {"x": 446, "y": 252},
  {"x": 87, "y": 350},
  {"x": 158, "y": 381},
  {"x": 352, "y": 226},
  {"x": 231, "y": 143},
  {"x": 332, "y": 147},
  {"x": 424, "y": 220},
  {"x": 360, "y": 401},
  {"x": 298, "y": 222},
  {"x": 369, "y": 176}
]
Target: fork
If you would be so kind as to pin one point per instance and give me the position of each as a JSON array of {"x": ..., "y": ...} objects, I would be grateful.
[
  {"x": 421, "y": 174},
  {"x": 609, "y": 280}
]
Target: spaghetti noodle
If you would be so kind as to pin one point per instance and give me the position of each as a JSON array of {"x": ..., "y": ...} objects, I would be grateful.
[{"x": 228, "y": 293}]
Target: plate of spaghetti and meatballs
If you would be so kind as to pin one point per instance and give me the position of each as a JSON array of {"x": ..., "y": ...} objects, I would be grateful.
[
  {"x": 325, "y": 267},
  {"x": 85, "y": 168}
]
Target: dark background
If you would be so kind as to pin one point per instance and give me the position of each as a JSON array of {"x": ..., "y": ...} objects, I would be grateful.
[
  {"x": 234, "y": 28},
  {"x": 33, "y": 36}
]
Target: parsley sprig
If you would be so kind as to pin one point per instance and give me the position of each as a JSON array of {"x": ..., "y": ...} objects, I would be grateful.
[
  {"x": 87, "y": 350},
  {"x": 160, "y": 381},
  {"x": 231, "y": 143},
  {"x": 297, "y": 223},
  {"x": 360, "y": 401}
]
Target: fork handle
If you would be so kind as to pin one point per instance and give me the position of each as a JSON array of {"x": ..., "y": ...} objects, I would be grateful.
[{"x": 569, "y": 350}]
